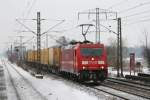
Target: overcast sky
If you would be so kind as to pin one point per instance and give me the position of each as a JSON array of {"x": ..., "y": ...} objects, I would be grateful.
[{"x": 135, "y": 18}]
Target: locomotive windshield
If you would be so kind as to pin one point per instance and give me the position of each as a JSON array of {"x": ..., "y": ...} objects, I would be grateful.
[{"x": 91, "y": 51}]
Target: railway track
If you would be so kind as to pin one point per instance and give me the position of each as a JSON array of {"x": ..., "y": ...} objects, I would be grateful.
[
  {"x": 23, "y": 88},
  {"x": 139, "y": 78},
  {"x": 144, "y": 75},
  {"x": 128, "y": 87},
  {"x": 111, "y": 93},
  {"x": 131, "y": 81},
  {"x": 12, "y": 82},
  {"x": 3, "y": 94}
]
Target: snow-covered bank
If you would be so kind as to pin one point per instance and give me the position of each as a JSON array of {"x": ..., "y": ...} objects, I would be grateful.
[
  {"x": 113, "y": 72},
  {"x": 55, "y": 89},
  {"x": 23, "y": 90}
]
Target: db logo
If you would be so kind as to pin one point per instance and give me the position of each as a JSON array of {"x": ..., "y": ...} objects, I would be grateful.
[{"x": 92, "y": 62}]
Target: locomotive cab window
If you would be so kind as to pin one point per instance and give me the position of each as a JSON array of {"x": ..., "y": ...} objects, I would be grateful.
[{"x": 91, "y": 51}]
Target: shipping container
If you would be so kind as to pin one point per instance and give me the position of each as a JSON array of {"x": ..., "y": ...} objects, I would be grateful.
[
  {"x": 44, "y": 56},
  {"x": 35, "y": 56},
  {"x": 54, "y": 56},
  {"x": 29, "y": 56},
  {"x": 51, "y": 57},
  {"x": 57, "y": 56}
]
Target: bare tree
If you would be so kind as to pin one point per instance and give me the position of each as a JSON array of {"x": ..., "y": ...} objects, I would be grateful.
[
  {"x": 146, "y": 54},
  {"x": 112, "y": 52},
  {"x": 146, "y": 51}
]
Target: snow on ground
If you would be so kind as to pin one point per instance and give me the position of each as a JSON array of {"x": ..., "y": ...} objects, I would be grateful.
[
  {"x": 10, "y": 89},
  {"x": 146, "y": 70},
  {"x": 144, "y": 65},
  {"x": 113, "y": 73},
  {"x": 54, "y": 89},
  {"x": 24, "y": 90},
  {"x": 3, "y": 92}
]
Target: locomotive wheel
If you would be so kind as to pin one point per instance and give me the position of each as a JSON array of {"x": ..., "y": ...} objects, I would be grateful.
[{"x": 79, "y": 79}]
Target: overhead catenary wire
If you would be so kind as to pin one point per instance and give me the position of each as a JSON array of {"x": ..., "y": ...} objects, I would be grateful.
[
  {"x": 25, "y": 9},
  {"x": 139, "y": 21},
  {"x": 135, "y": 14},
  {"x": 54, "y": 37},
  {"x": 29, "y": 8},
  {"x": 137, "y": 18},
  {"x": 66, "y": 30},
  {"x": 26, "y": 27},
  {"x": 53, "y": 27},
  {"x": 117, "y": 4},
  {"x": 23, "y": 14},
  {"x": 28, "y": 40},
  {"x": 134, "y": 7},
  {"x": 28, "y": 11}
]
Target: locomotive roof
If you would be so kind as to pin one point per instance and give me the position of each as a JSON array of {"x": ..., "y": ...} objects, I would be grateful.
[
  {"x": 91, "y": 45},
  {"x": 82, "y": 45}
]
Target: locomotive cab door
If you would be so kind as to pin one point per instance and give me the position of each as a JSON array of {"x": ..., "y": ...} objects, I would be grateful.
[{"x": 75, "y": 61}]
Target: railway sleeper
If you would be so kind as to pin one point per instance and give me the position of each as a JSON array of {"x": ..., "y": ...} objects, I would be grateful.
[{"x": 145, "y": 79}]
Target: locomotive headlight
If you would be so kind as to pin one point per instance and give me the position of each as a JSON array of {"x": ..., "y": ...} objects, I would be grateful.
[
  {"x": 84, "y": 62},
  {"x": 101, "y": 62},
  {"x": 84, "y": 67},
  {"x": 102, "y": 67},
  {"x": 92, "y": 59}
]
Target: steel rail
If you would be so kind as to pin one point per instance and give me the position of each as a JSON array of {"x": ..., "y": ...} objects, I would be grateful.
[
  {"x": 131, "y": 81},
  {"x": 12, "y": 81},
  {"x": 145, "y": 93},
  {"x": 26, "y": 80}
]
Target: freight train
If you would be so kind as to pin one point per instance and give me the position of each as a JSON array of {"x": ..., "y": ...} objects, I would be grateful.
[{"x": 81, "y": 61}]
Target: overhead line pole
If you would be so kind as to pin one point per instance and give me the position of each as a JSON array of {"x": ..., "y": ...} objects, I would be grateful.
[
  {"x": 97, "y": 26},
  {"x": 120, "y": 41},
  {"x": 38, "y": 40},
  {"x": 118, "y": 51}
]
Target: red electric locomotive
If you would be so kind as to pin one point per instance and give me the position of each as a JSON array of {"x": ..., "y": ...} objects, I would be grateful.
[{"x": 86, "y": 61}]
